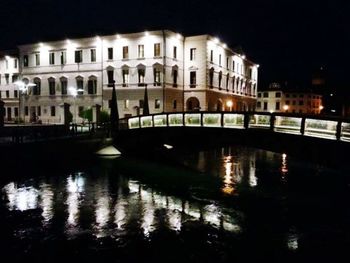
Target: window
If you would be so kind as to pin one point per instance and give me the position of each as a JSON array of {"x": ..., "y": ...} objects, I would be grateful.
[
  {"x": 37, "y": 59},
  {"x": 63, "y": 57},
  {"x": 80, "y": 85},
  {"x": 64, "y": 86},
  {"x": 301, "y": 95},
  {"x": 141, "y": 104},
  {"x": 233, "y": 66},
  {"x": 52, "y": 86},
  {"x": 125, "y": 73},
  {"x": 265, "y": 105},
  {"x": 7, "y": 94},
  {"x": 227, "y": 65},
  {"x": 14, "y": 78},
  {"x": 93, "y": 54},
  {"x": 258, "y": 104},
  {"x": 227, "y": 81},
  {"x": 141, "y": 51},
  {"x": 39, "y": 110},
  {"x": 7, "y": 64},
  {"x": 16, "y": 63},
  {"x": 220, "y": 79},
  {"x": 278, "y": 105},
  {"x": 16, "y": 112},
  {"x": 141, "y": 74},
  {"x": 287, "y": 102},
  {"x": 92, "y": 86},
  {"x": 294, "y": 95},
  {"x": 175, "y": 52},
  {"x": 211, "y": 55},
  {"x": 157, "y": 50},
  {"x": 259, "y": 95},
  {"x": 301, "y": 102},
  {"x": 211, "y": 77},
  {"x": 266, "y": 95},
  {"x": 294, "y": 102},
  {"x": 53, "y": 111},
  {"x": 192, "y": 79},
  {"x": 25, "y": 61},
  {"x": 26, "y": 110},
  {"x": 52, "y": 58},
  {"x": 157, "y": 104},
  {"x": 175, "y": 78},
  {"x": 15, "y": 93},
  {"x": 174, "y": 105},
  {"x": 126, "y": 104},
  {"x": 110, "y": 76},
  {"x": 37, "y": 87},
  {"x": 287, "y": 95},
  {"x": 156, "y": 75},
  {"x": 192, "y": 54},
  {"x": 278, "y": 94},
  {"x": 220, "y": 60},
  {"x": 7, "y": 78},
  {"x": 78, "y": 58},
  {"x": 125, "y": 52},
  {"x": 110, "y": 53}
]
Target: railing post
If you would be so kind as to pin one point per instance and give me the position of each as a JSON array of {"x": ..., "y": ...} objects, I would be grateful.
[
  {"x": 222, "y": 120},
  {"x": 272, "y": 122},
  {"x": 302, "y": 126},
  {"x": 167, "y": 119},
  {"x": 183, "y": 119},
  {"x": 153, "y": 121},
  {"x": 201, "y": 119},
  {"x": 139, "y": 122},
  {"x": 246, "y": 120},
  {"x": 338, "y": 133}
]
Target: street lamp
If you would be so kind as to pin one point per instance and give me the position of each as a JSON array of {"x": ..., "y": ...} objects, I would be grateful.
[
  {"x": 23, "y": 87},
  {"x": 286, "y": 107},
  {"x": 74, "y": 92}
]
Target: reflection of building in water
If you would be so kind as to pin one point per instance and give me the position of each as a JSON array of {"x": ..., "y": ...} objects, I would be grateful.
[{"x": 149, "y": 209}]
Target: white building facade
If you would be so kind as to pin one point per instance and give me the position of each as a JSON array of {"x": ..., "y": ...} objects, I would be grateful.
[
  {"x": 276, "y": 99},
  {"x": 180, "y": 74},
  {"x": 9, "y": 93}
]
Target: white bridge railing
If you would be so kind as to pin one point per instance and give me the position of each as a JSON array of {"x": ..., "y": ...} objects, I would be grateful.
[{"x": 316, "y": 126}]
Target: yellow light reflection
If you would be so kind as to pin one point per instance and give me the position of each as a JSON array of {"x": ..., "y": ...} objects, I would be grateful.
[
  {"x": 284, "y": 167},
  {"x": 228, "y": 178}
]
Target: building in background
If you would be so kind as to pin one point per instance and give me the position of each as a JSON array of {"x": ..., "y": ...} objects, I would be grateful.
[
  {"x": 180, "y": 73},
  {"x": 290, "y": 100},
  {"x": 9, "y": 93}
]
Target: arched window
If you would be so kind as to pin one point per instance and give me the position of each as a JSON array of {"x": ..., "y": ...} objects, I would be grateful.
[
  {"x": 37, "y": 87},
  {"x": 64, "y": 84},
  {"x": 141, "y": 71},
  {"x": 80, "y": 85},
  {"x": 227, "y": 80},
  {"x": 157, "y": 72},
  {"x": 125, "y": 75},
  {"x": 175, "y": 75},
  {"x": 220, "y": 79},
  {"x": 211, "y": 77},
  {"x": 92, "y": 85},
  {"x": 52, "y": 86},
  {"x": 110, "y": 76}
]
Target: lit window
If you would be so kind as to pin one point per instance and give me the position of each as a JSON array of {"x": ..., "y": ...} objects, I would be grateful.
[
  {"x": 125, "y": 73},
  {"x": 141, "y": 73},
  {"x": 126, "y": 104},
  {"x": 141, "y": 51},
  {"x": 125, "y": 52},
  {"x": 157, "y": 104},
  {"x": 156, "y": 72},
  {"x": 157, "y": 49},
  {"x": 192, "y": 54}
]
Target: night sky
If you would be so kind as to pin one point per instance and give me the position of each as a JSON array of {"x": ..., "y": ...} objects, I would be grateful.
[{"x": 289, "y": 39}]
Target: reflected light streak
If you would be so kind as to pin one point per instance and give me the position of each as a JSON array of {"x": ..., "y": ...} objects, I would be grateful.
[
  {"x": 284, "y": 167},
  {"x": 74, "y": 188},
  {"x": 46, "y": 202},
  {"x": 228, "y": 178},
  {"x": 22, "y": 198}
]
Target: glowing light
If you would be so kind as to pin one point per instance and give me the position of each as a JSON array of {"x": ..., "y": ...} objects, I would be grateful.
[
  {"x": 243, "y": 56},
  {"x": 178, "y": 36},
  {"x": 321, "y": 107},
  {"x": 146, "y": 33},
  {"x": 271, "y": 111},
  {"x": 98, "y": 38},
  {"x": 257, "y": 65},
  {"x": 229, "y": 103},
  {"x": 216, "y": 40},
  {"x": 228, "y": 182},
  {"x": 284, "y": 167},
  {"x": 68, "y": 42},
  {"x": 285, "y": 107},
  {"x": 168, "y": 146},
  {"x": 41, "y": 44},
  {"x": 7, "y": 57},
  {"x": 224, "y": 46},
  {"x": 331, "y": 94},
  {"x": 118, "y": 36}
]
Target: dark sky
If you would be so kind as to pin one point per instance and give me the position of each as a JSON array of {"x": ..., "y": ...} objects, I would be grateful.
[{"x": 289, "y": 39}]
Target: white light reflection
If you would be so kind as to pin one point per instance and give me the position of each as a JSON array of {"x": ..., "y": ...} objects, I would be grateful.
[
  {"x": 46, "y": 202},
  {"x": 253, "y": 181},
  {"x": 228, "y": 178},
  {"x": 75, "y": 187},
  {"x": 292, "y": 240},
  {"x": 22, "y": 198},
  {"x": 284, "y": 167},
  {"x": 102, "y": 214}
]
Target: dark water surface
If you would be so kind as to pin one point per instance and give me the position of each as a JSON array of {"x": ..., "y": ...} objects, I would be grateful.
[{"x": 231, "y": 204}]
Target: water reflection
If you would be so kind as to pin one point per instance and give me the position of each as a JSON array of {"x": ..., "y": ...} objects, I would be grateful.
[
  {"x": 75, "y": 190},
  {"x": 284, "y": 167}
]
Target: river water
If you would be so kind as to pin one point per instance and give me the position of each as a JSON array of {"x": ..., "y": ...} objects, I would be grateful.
[{"x": 230, "y": 204}]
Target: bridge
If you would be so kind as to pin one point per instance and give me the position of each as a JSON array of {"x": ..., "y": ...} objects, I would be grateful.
[
  {"x": 330, "y": 128},
  {"x": 321, "y": 138}
]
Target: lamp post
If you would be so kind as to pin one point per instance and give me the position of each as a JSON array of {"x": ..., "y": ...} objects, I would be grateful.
[
  {"x": 74, "y": 92},
  {"x": 22, "y": 88}
]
